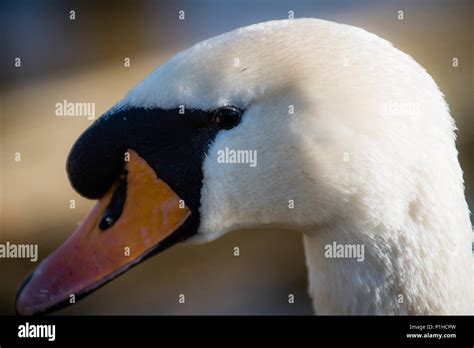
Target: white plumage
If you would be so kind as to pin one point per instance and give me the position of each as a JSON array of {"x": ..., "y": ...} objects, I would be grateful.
[{"x": 368, "y": 157}]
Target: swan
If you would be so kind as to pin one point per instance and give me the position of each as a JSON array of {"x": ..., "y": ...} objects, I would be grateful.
[{"x": 354, "y": 149}]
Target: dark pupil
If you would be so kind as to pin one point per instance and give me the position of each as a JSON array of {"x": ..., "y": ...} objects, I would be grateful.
[{"x": 227, "y": 118}]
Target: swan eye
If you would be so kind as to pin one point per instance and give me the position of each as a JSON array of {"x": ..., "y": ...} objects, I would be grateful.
[{"x": 226, "y": 117}]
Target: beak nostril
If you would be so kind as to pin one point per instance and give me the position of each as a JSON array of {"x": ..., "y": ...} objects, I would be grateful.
[
  {"x": 107, "y": 222},
  {"x": 115, "y": 208}
]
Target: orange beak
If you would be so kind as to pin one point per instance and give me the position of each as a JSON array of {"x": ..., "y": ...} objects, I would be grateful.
[{"x": 129, "y": 222}]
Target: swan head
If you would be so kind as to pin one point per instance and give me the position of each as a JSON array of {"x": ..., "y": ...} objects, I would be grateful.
[{"x": 296, "y": 124}]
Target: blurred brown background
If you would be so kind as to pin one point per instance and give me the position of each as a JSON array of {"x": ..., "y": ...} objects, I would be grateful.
[{"x": 82, "y": 61}]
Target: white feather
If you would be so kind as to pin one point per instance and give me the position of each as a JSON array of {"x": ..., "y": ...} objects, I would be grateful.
[{"x": 357, "y": 173}]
